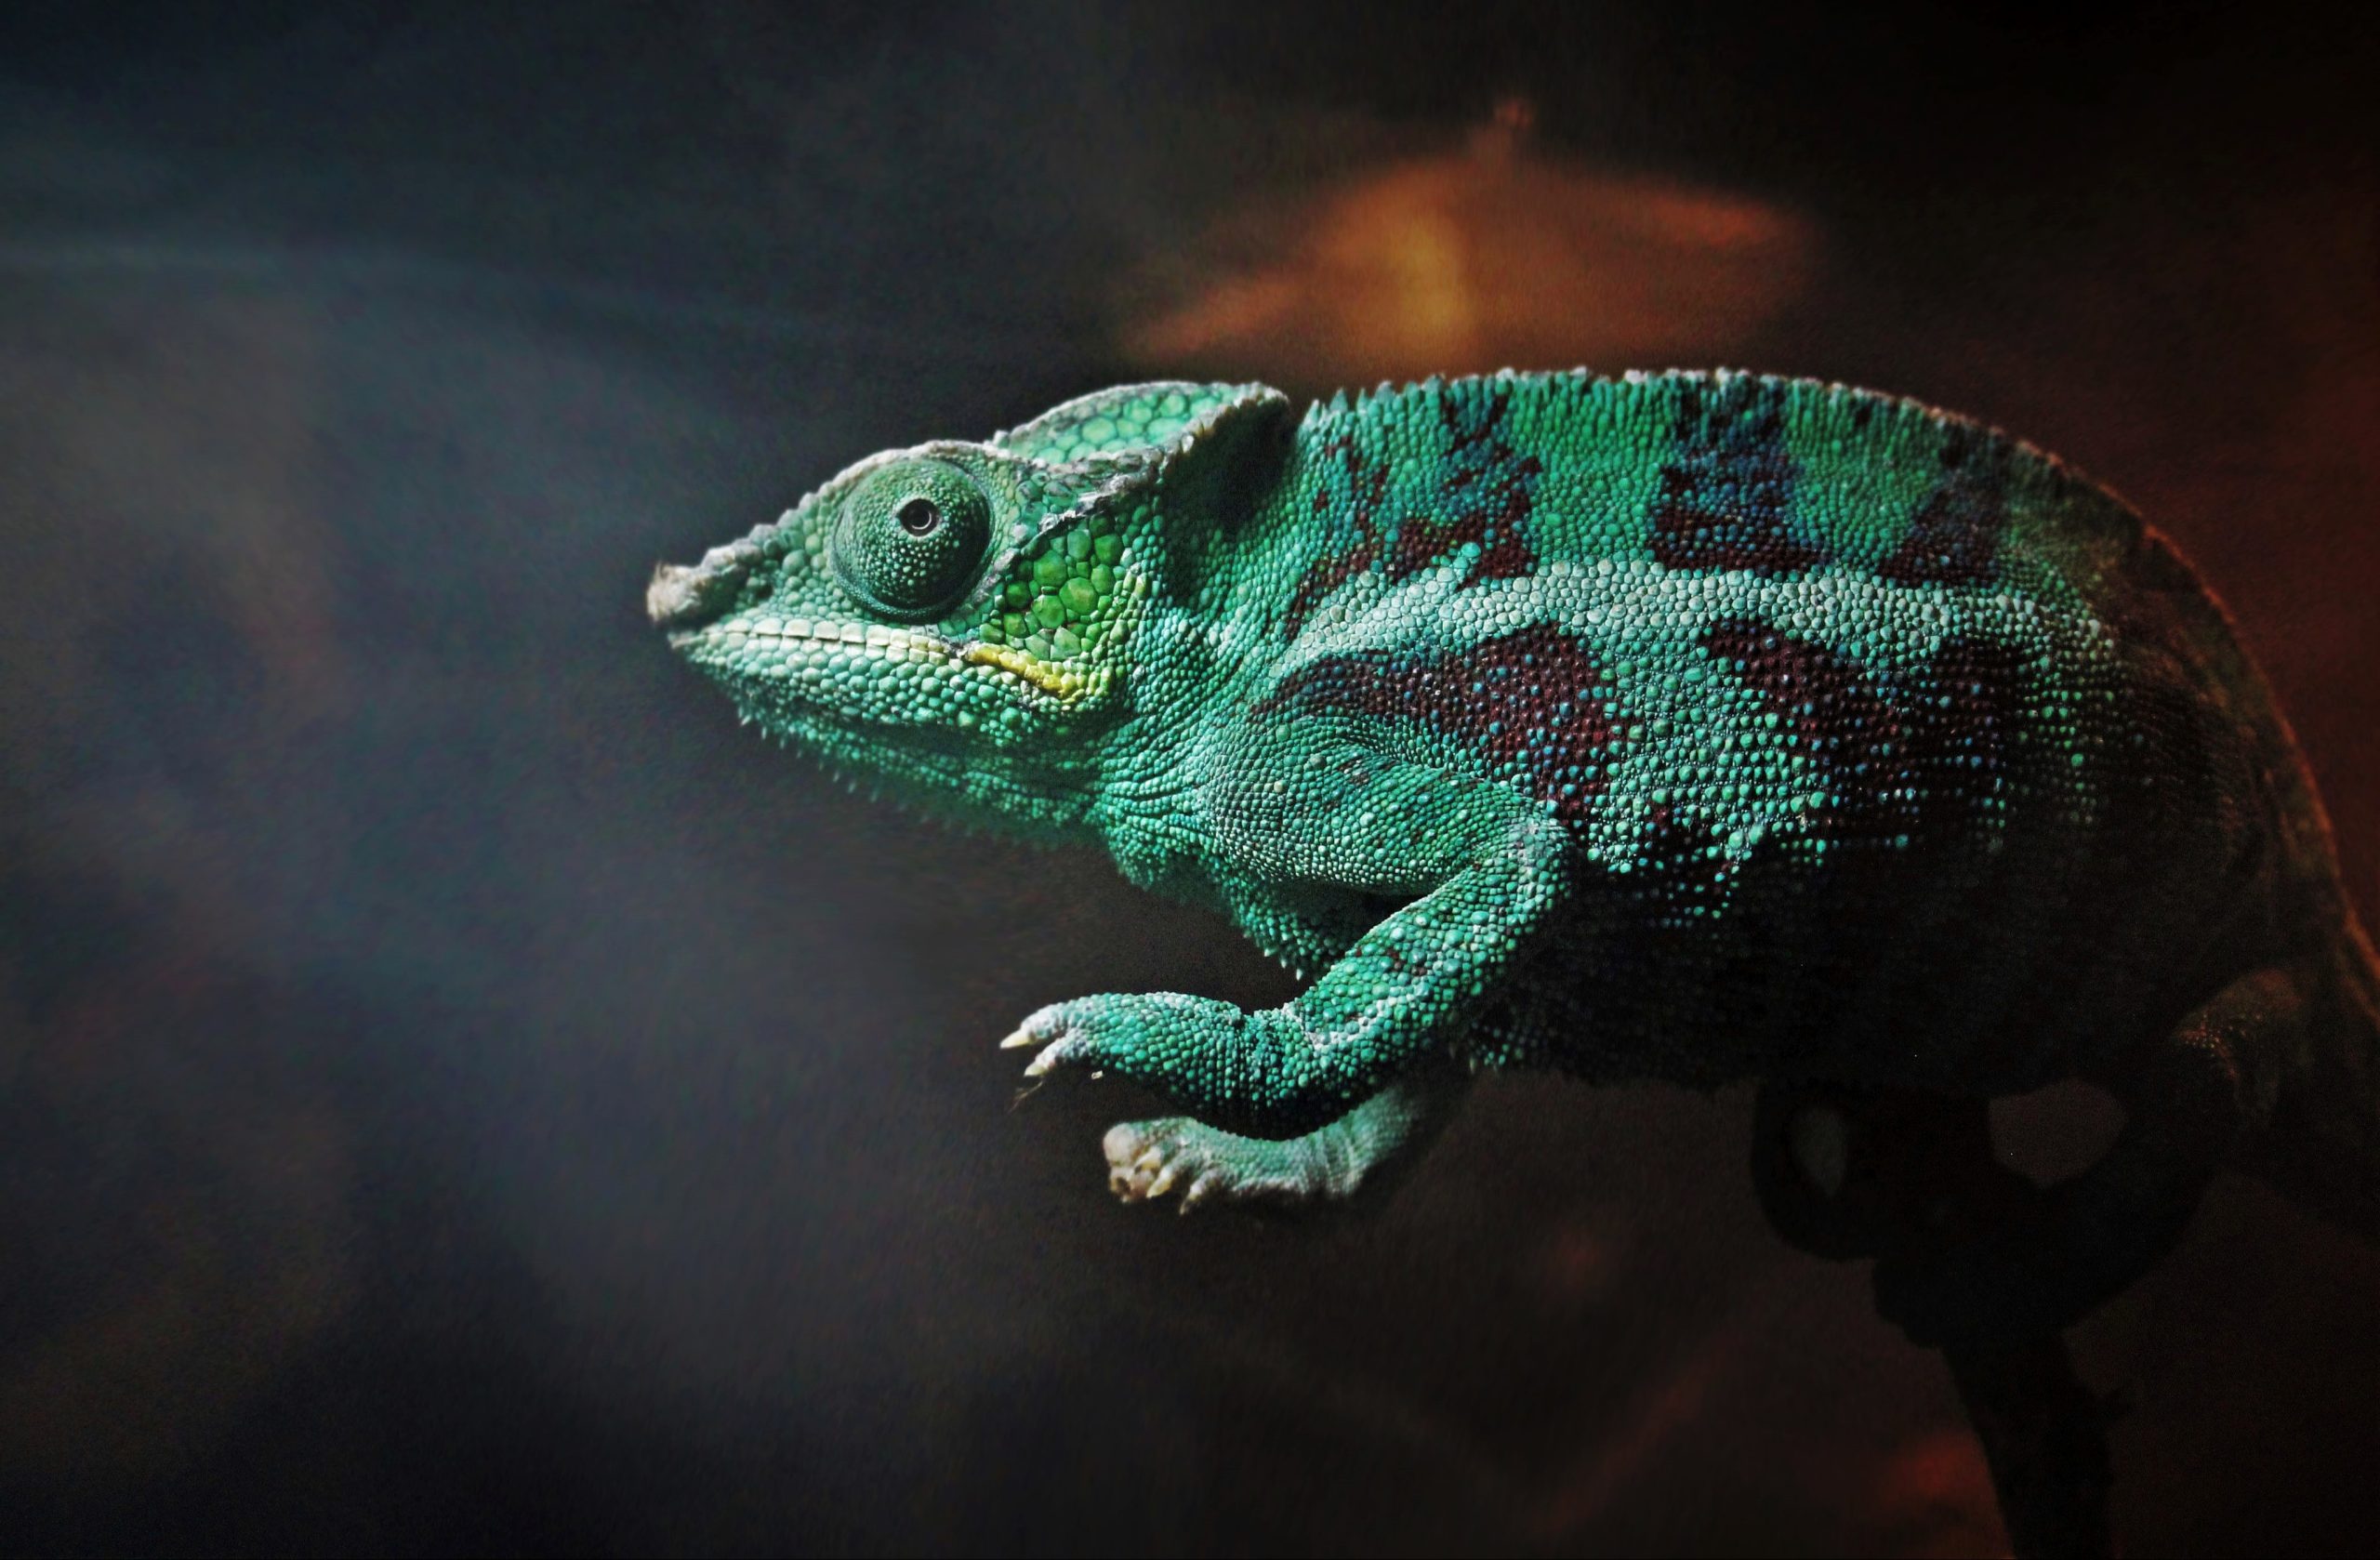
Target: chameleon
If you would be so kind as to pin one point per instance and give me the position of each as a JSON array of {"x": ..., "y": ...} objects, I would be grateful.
[{"x": 1699, "y": 727}]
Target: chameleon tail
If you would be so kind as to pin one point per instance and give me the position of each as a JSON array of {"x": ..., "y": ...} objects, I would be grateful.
[
  {"x": 2310, "y": 1058},
  {"x": 2319, "y": 1143}
]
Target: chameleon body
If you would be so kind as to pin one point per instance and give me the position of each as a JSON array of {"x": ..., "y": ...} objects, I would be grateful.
[{"x": 1695, "y": 727}]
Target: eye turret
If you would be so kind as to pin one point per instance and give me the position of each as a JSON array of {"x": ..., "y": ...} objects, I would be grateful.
[{"x": 912, "y": 538}]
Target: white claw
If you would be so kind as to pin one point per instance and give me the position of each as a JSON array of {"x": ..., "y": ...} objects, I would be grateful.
[
  {"x": 1149, "y": 1160},
  {"x": 1198, "y": 1192},
  {"x": 1043, "y": 1063},
  {"x": 1159, "y": 1187},
  {"x": 1019, "y": 1040}
]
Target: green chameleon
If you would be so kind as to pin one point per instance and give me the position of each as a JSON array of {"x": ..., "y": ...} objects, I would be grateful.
[{"x": 1701, "y": 727}]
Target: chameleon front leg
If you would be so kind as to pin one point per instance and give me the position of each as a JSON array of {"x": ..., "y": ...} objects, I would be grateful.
[
  {"x": 1491, "y": 868},
  {"x": 1361, "y": 1151}
]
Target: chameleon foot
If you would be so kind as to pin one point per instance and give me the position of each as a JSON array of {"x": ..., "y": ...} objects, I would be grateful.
[
  {"x": 1363, "y": 1151},
  {"x": 1146, "y": 1160}
]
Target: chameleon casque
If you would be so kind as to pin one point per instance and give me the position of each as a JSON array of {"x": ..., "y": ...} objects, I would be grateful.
[{"x": 1701, "y": 727}]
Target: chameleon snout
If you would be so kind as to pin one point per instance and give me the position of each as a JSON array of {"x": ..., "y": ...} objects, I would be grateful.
[{"x": 687, "y": 595}]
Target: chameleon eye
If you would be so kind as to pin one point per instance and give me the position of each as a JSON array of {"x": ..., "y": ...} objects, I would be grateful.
[{"x": 912, "y": 538}]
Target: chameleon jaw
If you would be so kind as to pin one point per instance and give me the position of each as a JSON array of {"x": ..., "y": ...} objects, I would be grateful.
[
  {"x": 1063, "y": 683},
  {"x": 1059, "y": 682}
]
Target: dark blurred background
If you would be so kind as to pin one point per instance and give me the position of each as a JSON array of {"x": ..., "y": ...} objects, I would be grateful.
[{"x": 459, "y": 1094}]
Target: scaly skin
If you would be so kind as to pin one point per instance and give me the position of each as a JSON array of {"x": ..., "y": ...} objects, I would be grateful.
[{"x": 1694, "y": 727}]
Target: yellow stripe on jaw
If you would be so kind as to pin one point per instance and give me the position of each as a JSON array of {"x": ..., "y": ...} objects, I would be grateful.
[
  {"x": 1058, "y": 682},
  {"x": 1054, "y": 681}
]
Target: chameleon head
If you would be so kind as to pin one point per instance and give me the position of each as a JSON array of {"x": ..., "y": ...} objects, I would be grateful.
[{"x": 934, "y": 608}]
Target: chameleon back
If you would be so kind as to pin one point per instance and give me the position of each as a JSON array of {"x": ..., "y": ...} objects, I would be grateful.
[{"x": 1895, "y": 749}]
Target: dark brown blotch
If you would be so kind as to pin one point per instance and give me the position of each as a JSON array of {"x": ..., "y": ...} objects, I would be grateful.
[
  {"x": 1906, "y": 755},
  {"x": 1726, "y": 492},
  {"x": 1531, "y": 702},
  {"x": 1955, "y": 538}
]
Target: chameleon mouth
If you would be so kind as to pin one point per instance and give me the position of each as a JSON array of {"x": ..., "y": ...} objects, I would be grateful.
[
  {"x": 882, "y": 640},
  {"x": 735, "y": 633}
]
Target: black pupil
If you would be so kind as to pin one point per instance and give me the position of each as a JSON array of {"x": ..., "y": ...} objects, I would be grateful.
[{"x": 918, "y": 515}]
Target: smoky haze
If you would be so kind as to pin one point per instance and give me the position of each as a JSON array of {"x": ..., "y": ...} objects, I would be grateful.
[{"x": 459, "y": 1092}]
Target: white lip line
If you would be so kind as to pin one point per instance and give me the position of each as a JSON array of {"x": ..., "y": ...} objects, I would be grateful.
[
  {"x": 877, "y": 639},
  {"x": 861, "y": 636}
]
